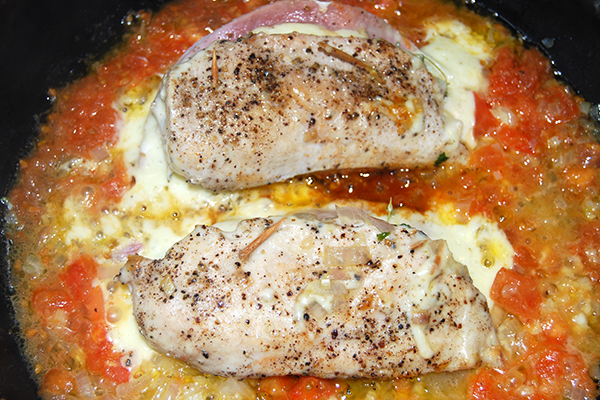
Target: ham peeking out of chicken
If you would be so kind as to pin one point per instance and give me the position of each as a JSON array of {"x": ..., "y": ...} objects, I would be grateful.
[{"x": 244, "y": 108}]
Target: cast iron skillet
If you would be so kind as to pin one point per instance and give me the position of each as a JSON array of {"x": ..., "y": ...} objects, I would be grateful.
[{"x": 45, "y": 44}]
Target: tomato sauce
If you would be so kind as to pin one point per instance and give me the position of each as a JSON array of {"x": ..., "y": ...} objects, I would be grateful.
[{"x": 534, "y": 171}]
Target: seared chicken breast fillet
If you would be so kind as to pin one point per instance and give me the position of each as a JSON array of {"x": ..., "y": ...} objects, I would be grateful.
[
  {"x": 268, "y": 107},
  {"x": 342, "y": 297}
]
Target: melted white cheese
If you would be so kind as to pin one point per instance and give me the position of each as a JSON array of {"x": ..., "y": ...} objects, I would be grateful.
[
  {"x": 455, "y": 55},
  {"x": 308, "y": 29},
  {"x": 479, "y": 244},
  {"x": 124, "y": 332},
  {"x": 323, "y": 291}
]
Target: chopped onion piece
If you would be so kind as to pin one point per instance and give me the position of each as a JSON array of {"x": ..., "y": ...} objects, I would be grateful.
[
  {"x": 318, "y": 213},
  {"x": 100, "y": 153},
  {"x": 120, "y": 255},
  {"x": 343, "y": 256},
  {"x": 167, "y": 285},
  {"x": 351, "y": 215},
  {"x": 316, "y": 311},
  {"x": 380, "y": 224},
  {"x": 355, "y": 216},
  {"x": 134, "y": 386},
  {"x": 504, "y": 115},
  {"x": 576, "y": 393},
  {"x": 84, "y": 384},
  {"x": 232, "y": 388},
  {"x": 172, "y": 390}
]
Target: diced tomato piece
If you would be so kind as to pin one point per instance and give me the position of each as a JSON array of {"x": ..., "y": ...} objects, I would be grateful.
[
  {"x": 588, "y": 155},
  {"x": 558, "y": 105},
  {"x": 57, "y": 382},
  {"x": 514, "y": 74},
  {"x": 580, "y": 179},
  {"x": 559, "y": 369},
  {"x": 46, "y": 301},
  {"x": 488, "y": 158},
  {"x": 94, "y": 305},
  {"x": 114, "y": 187},
  {"x": 523, "y": 140},
  {"x": 577, "y": 375},
  {"x": 277, "y": 387},
  {"x": 514, "y": 80},
  {"x": 525, "y": 258},
  {"x": 549, "y": 365},
  {"x": 486, "y": 386},
  {"x": 101, "y": 356},
  {"x": 551, "y": 368},
  {"x": 311, "y": 388},
  {"x": 485, "y": 122},
  {"x": 518, "y": 294},
  {"x": 102, "y": 359},
  {"x": 84, "y": 116},
  {"x": 587, "y": 246},
  {"x": 79, "y": 275},
  {"x": 555, "y": 328}
]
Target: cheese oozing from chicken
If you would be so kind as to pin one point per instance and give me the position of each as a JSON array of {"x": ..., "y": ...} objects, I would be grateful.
[{"x": 323, "y": 296}]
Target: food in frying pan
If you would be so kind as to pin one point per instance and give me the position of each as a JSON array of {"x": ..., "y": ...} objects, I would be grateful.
[
  {"x": 303, "y": 296},
  {"x": 517, "y": 205}
]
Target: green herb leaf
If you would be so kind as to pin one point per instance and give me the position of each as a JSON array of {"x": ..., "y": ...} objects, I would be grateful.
[
  {"x": 441, "y": 158},
  {"x": 382, "y": 235}
]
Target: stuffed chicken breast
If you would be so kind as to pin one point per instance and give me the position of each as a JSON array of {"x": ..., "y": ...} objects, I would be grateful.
[
  {"x": 350, "y": 296},
  {"x": 266, "y": 107}
]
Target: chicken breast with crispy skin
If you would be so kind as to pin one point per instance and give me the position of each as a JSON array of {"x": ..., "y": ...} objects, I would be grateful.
[
  {"x": 268, "y": 107},
  {"x": 346, "y": 297}
]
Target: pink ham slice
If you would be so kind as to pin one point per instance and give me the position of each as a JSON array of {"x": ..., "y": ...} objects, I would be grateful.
[{"x": 330, "y": 15}]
